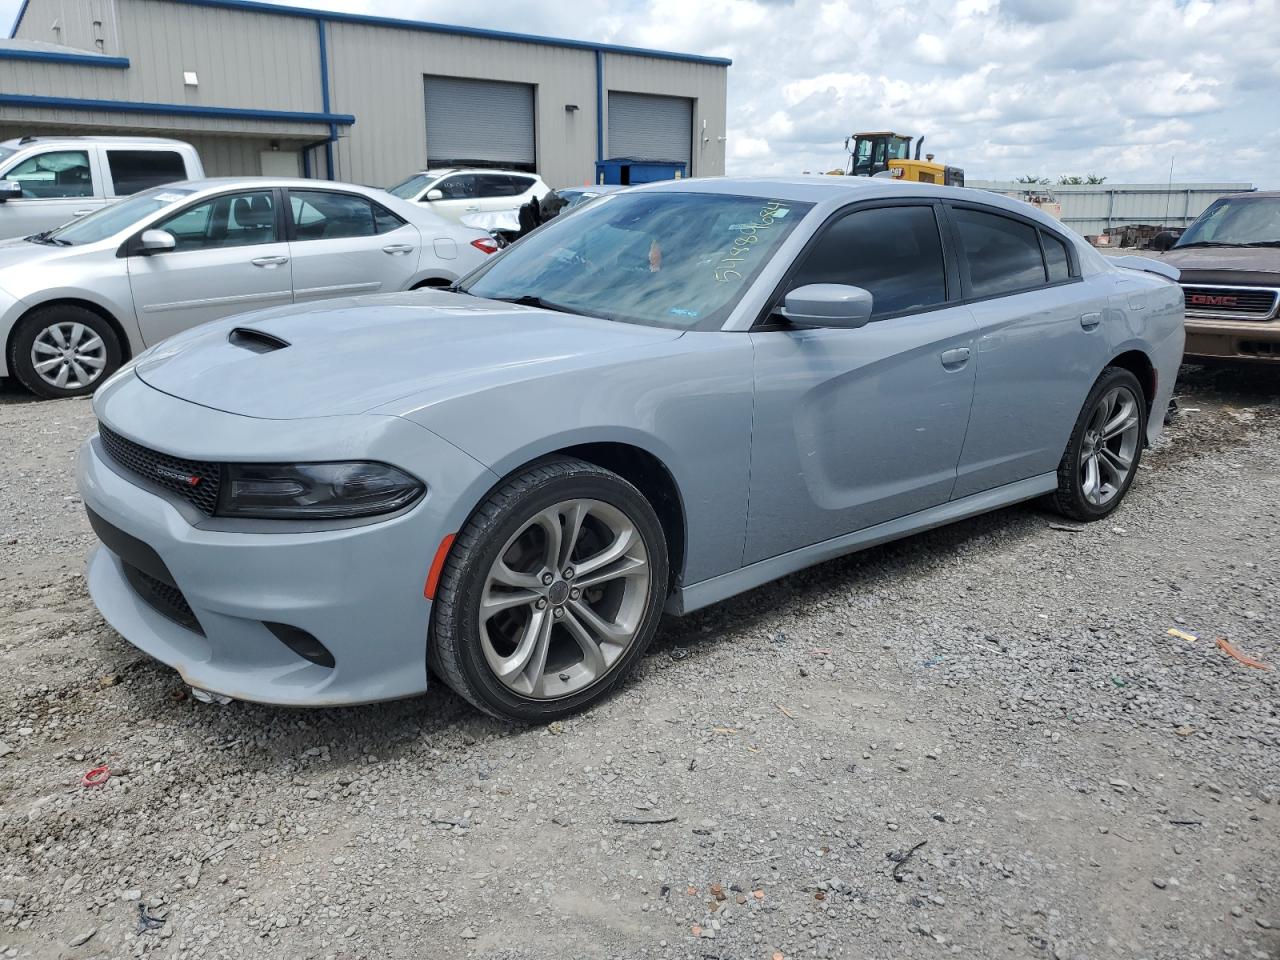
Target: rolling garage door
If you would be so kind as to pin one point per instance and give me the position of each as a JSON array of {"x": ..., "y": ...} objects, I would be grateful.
[
  {"x": 647, "y": 127},
  {"x": 479, "y": 121}
]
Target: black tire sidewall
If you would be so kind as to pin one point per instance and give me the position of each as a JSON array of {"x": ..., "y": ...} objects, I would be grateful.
[
  {"x": 1080, "y": 506},
  {"x": 29, "y": 328},
  {"x": 459, "y": 616}
]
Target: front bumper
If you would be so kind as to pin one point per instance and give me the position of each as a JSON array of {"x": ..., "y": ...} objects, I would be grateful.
[
  {"x": 1257, "y": 340},
  {"x": 356, "y": 589}
]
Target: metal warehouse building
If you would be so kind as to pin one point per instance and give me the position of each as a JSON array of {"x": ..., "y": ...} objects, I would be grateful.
[{"x": 261, "y": 88}]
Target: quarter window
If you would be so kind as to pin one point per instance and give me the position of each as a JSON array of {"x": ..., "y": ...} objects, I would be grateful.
[
  {"x": 234, "y": 220},
  {"x": 895, "y": 253},
  {"x": 1004, "y": 254},
  {"x": 53, "y": 175},
  {"x": 323, "y": 215},
  {"x": 1055, "y": 258},
  {"x": 134, "y": 170}
]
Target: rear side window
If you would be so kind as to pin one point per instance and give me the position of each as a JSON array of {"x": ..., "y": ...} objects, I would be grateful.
[
  {"x": 134, "y": 170},
  {"x": 893, "y": 252},
  {"x": 498, "y": 185},
  {"x": 323, "y": 215},
  {"x": 1055, "y": 258},
  {"x": 1004, "y": 254}
]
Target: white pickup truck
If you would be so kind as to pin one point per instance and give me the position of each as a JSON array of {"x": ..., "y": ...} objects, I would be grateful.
[{"x": 46, "y": 181}]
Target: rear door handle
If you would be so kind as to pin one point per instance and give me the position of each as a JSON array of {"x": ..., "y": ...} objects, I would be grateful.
[
  {"x": 79, "y": 213},
  {"x": 269, "y": 261},
  {"x": 396, "y": 249},
  {"x": 955, "y": 358},
  {"x": 1090, "y": 320},
  {"x": 473, "y": 209}
]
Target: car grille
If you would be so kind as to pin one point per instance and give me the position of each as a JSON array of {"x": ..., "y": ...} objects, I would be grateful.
[
  {"x": 195, "y": 481},
  {"x": 163, "y": 598},
  {"x": 1243, "y": 303}
]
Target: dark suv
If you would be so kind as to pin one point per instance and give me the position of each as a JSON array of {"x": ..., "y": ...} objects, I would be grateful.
[{"x": 1230, "y": 263}]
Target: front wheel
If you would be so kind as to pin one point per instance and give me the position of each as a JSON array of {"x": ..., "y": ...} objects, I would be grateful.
[
  {"x": 63, "y": 351},
  {"x": 1102, "y": 457},
  {"x": 551, "y": 592}
]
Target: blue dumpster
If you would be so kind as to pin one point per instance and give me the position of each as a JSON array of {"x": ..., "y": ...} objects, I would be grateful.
[{"x": 626, "y": 171}]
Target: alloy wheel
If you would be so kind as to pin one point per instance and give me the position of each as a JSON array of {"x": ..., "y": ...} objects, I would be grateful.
[
  {"x": 564, "y": 599},
  {"x": 68, "y": 355},
  {"x": 1109, "y": 446}
]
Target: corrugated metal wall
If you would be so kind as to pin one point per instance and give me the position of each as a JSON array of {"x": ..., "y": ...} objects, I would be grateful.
[
  {"x": 269, "y": 61},
  {"x": 1091, "y": 208}
]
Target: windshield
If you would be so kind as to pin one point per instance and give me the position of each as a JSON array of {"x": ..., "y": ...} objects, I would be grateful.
[
  {"x": 118, "y": 216},
  {"x": 1236, "y": 221},
  {"x": 6, "y": 153},
  {"x": 678, "y": 260},
  {"x": 409, "y": 189}
]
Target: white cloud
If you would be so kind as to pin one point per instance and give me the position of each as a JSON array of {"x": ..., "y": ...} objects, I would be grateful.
[{"x": 999, "y": 87}]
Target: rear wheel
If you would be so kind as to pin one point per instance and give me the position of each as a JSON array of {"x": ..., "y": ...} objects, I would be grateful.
[
  {"x": 63, "y": 351},
  {"x": 551, "y": 592},
  {"x": 1102, "y": 457}
]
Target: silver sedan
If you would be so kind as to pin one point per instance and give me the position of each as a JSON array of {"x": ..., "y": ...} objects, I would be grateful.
[{"x": 78, "y": 301}]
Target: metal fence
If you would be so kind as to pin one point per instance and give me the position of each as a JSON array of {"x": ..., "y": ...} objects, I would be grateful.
[{"x": 1091, "y": 208}]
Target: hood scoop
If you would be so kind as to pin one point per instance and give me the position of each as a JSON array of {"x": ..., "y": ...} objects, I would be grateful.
[{"x": 258, "y": 341}]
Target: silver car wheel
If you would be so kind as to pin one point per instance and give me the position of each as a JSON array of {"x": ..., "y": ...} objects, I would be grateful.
[
  {"x": 68, "y": 355},
  {"x": 1109, "y": 445},
  {"x": 564, "y": 599}
]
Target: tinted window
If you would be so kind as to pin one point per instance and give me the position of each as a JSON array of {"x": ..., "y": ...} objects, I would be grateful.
[
  {"x": 59, "y": 173},
  {"x": 1055, "y": 256},
  {"x": 459, "y": 187},
  {"x": 894, "y": 252},
  {"x": 134, "y": 170},
  {"x": 321, "y": 215},
  {"x": 235, "y": 220},
  {"x": 498, "y": 185},
  {"x": 1004, "y": 254}
]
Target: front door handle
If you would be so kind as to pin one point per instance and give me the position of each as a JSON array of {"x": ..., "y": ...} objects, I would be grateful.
[
  {"x": 398, "y": 249},
  {"x": 1090, "y": 320},
  {"x": 473, "y": 209},
  {"x": 955, "y": 358},
  {"x": 80, "y": 213},
  {"x": 269, "y": 261}
]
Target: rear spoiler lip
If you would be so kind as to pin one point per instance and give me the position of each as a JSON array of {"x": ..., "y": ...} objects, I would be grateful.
[{"x": 1159, "y": 267}]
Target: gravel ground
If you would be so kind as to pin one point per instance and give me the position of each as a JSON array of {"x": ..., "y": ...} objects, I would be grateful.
[{"x": 978, "y": 742}]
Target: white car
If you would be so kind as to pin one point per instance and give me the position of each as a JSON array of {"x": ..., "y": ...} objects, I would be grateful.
[
  {"x": 454, "y": 192},
  {"x": 78, "y": 301}
]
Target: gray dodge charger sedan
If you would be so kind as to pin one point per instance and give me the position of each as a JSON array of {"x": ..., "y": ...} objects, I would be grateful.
[{"x": 680, "y": 392}]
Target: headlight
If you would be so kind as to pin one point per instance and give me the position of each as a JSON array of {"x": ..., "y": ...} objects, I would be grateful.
[{"x": 305, "y": 491}]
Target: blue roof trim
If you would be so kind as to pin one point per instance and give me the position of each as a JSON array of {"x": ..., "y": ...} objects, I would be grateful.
[
  {"x": 50, "y": 56},
  {"x": 256, "y": 6},
  {"x": 175, "y": 109}
]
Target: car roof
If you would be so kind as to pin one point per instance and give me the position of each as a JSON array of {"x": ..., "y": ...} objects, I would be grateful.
[
  {"x": 442, "y": 171},
  {"x": 18, "y": 142}
]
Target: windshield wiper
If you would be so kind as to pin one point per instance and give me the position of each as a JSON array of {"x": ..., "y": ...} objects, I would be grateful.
[
  {"x": 529, "y": 300},
  {"x": 1206, "y": 243},
  {"x": 45, "y": 238},
  {"x": 1262, "y": 243}
]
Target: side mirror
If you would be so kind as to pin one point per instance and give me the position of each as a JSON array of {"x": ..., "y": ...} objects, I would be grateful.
[
  {"x": 157, "y": 241},
  {"x": 827, "y": 305},
  {"x": 434, "y": 195},
  {"x": 10, "y": 190}
]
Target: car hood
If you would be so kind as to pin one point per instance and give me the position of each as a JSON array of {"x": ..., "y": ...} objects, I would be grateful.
[
  {"x": 16, "y": 252},
  {"x": 1248, "y": 265},
  {"x": 349, "y": 356}
]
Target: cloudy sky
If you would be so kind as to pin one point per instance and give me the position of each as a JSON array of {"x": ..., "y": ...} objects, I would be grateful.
[{"x": 1001, "y": 88}]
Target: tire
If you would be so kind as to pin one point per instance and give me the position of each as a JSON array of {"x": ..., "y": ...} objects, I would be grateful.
[
  {"x": 620, "y": 598},
  {"x": 41, "y": 333},
  {"x": 1076, "y": 497}
]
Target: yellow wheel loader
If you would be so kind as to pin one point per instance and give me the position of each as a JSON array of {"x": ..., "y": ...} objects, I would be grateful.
[{"x": 889, "y": 154}]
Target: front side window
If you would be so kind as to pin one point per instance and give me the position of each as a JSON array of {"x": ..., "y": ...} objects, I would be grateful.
[
  {"x": 681, "y": 260},
  {"x": 323, "y": 215},
  {"x": 54, "y": 175},
  {"x": 895, "y": 253},
  {"x": 134, "y": 170},
  {"x": 233, "y": 220},
  {"x": 1003, "y": 253},
  {"x": 461, "y": 186}
]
